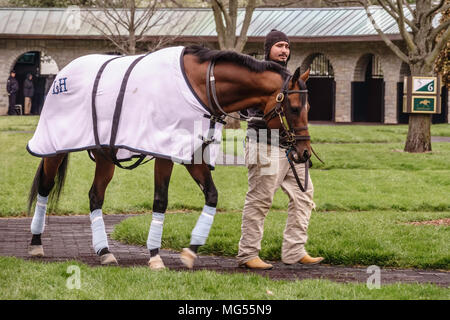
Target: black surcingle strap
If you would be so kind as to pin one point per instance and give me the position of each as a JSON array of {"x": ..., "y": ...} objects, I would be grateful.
[{"x": 116, "y": 118}]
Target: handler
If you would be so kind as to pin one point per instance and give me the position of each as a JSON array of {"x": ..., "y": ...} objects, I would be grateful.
[{"x": 266, "y": 174}]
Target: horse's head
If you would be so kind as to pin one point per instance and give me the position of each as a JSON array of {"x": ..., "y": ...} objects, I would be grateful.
[{"x": 288, "y": 111}]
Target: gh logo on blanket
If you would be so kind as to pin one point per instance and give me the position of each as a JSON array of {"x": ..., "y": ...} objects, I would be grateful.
[{"x": 59, "y": 86}]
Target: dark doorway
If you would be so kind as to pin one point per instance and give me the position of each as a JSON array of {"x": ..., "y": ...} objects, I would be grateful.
[
  {"x": 321, "y": 89},
  {"x": 27, "y": 63},
  {"x": 31, "y": 62},
  {"x": 368, "y": 95},
  {"x": 321, "y": 98},
  {"x": 443, "y": 116}
]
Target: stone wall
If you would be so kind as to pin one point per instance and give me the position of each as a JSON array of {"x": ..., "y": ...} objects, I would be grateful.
[
  {"x": 62, "y": 52},
  {"x": 348, "y": 60}
]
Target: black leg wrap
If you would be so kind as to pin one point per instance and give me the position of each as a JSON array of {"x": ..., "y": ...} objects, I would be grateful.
[
  {"x": 154, "y": 252},
  {"x": 103, "y": 251},
  {"x": 194, "y": 247},
  {"x": 36, "y": 240}
]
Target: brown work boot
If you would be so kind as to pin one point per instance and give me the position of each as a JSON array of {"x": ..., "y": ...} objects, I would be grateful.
[
  {"x": 256, "y": 263},
  {"x": 307, "y": 259}
]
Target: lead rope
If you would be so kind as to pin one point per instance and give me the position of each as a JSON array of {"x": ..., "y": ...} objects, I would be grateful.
[{"x": 295, "y": 172}]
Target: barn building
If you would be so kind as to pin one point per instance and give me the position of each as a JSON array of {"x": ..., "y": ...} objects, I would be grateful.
[{"x": 355, "y": 77}]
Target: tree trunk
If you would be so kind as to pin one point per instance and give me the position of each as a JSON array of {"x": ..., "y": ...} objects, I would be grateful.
[
  {"x": 419, "y": 128},
  {"x": 419, "y": 134}
]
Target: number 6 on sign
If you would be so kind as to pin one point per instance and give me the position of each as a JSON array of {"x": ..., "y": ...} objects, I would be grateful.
[{"x": 424, "y": 85}]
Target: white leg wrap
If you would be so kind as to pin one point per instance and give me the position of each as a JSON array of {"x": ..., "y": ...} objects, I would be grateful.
[
  {"x": 203, "y": 226},
  {"x": 38, "y": 222},
  {"x": 155, "y": 232},
  {"x": 99, "y": 239}
]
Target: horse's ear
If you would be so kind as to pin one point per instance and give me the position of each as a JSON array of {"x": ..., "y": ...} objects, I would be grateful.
[
  {"x": 296, "y": 75},
  {"x": 305, "y": 76}
]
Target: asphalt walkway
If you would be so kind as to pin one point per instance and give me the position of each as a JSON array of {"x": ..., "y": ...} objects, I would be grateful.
[{"x": 69, "y": 238}]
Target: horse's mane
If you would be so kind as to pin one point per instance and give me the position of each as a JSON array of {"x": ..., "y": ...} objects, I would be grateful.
[{"x": 206, "y": 54}]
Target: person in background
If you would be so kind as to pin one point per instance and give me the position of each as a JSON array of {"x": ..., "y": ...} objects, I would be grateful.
[
  {"x": 270, "y": 172},
  {"x": 28, "y": 93},
  {"x": 12, "y": 87}
]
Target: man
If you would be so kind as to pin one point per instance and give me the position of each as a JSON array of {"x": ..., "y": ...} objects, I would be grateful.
[
  {"x": 28, "y": 92},
  {"x": 266, "y": 174},
  {"x": 12, "y": 87}
]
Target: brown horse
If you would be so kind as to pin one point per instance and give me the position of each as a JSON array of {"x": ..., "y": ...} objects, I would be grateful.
[{"x": 223, "y": 81}]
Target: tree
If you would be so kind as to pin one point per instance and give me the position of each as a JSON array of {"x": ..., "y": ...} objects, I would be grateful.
[
  {"x": 125, "y": 23},
  {"x": 423, "y": 44},
  {"x": 225, "y": 18},
  {"x": 443, "y": 61}
]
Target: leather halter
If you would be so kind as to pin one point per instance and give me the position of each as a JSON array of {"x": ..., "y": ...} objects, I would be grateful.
[
  {"x": 277, "y": 110},
  {"x": 283, "y": 102}
]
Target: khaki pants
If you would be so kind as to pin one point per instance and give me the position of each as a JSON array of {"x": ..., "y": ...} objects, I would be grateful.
[
  {"x": 267, "y": 171},
  {"x": 27, "y": 107}
]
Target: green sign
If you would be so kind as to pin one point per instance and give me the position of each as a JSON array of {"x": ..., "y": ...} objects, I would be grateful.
[
  {"x": 423, "y": 104},
  {"x": 424, "y": 84}
]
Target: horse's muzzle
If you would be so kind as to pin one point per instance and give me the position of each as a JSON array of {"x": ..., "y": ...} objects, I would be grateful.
[{"x": 300, "y": 159}]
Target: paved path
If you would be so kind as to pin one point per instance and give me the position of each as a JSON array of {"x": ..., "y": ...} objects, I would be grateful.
[{"x": 69, "y": 238}]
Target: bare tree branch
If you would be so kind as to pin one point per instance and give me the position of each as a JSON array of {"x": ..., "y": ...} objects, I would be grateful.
[
  {"x": 125, "y": 22},
  {"x": 223, "y": 11},
  {"x": 395, "y": 13},
  {"x": 245, "y": 25},
  {"x": 439, "y": 46},
  {"x": 401, "y": 24},
  {"x": 271, "y": 4},
  {"x": 220, "y": 27},
  {"x": 413, "y": 13},
  {"x": 388, "y": 42},
  {"x": 444, "y": 25},
  {"x": 435, "y": 8}
]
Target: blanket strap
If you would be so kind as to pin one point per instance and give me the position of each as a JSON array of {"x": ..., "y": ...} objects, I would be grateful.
[
  {"x": 117, "y": 112},
  {"x": 116, "y": 118},
  {"x": 94, "y": 110}
]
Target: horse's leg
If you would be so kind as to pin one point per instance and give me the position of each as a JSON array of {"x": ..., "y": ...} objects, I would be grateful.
[
  {"x": 202, "y": 175},
  {"x": 42, "y": 185},
  {"x": 104, "y": 171},
  {"x": 163, "y": 171}
]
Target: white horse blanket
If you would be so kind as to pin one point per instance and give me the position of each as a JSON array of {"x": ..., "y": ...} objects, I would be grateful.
[{"x": 161, "y": 114}]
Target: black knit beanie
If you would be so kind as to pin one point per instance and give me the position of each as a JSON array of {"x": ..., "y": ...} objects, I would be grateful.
[{"x": 273, "y": 37}]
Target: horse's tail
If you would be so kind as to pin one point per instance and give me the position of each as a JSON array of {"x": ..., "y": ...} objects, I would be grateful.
[{"x": 56, "y": 190}]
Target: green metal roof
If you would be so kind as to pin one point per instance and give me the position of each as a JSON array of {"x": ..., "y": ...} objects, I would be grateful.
[{"x": 295, "y": 22}]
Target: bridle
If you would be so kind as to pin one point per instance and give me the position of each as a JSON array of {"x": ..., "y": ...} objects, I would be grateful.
[
  {"x": 289, "y": 130},
  {"x": 282, "y": 103},
  {"x": 278, "y": 110},
  {"x": 282, "y": 100}
]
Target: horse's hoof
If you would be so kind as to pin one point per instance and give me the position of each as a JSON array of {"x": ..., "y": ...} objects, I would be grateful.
[
  {"x": 36, "y": 250},
  {"x": 188, "y": 257},
  {"x": 108, "y": 259},
  {"x": 156, "y": 263}
]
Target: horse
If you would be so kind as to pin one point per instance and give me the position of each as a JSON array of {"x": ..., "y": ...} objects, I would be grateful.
[{"x": 223, "y": 82}]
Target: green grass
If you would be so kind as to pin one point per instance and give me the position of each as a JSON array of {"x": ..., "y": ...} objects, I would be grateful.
[
  {"x": 364, "y": 193},
  {"x": 355, "y": 177},
  {"x": 342, "y": 238},
  {"x": 26, "y": 280},
  {"x": 26, "y": 123}
]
